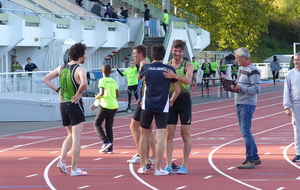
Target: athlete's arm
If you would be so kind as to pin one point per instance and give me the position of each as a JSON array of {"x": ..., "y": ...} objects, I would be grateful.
[
  {"x": 117, "y": 93},
  {"x": 50, "y": 76},
  {"x": 101, "y": 93},
  {"x": 175, "y": 93},
  {"x": 82, "y": 80},
  {"x": 187, "y": 79}
]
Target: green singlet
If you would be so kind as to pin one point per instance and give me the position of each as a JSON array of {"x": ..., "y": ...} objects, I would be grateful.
[
  {"x": 196, "y": 65},
  {"x": 68, "y": 85}
]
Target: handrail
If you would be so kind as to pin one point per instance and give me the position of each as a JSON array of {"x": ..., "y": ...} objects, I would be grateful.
[{"x": 59, "y": 15}]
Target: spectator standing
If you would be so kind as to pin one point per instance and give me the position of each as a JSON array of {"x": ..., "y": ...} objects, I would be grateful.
[
  {"x": 30, "y": 66},
  {"x": 131, "y": 74},
  {"x": 213, "y": 69},
  {"x": 108, "y": 8},
  {"x": 108, "y": 105},
  {"x": 15, "y": 65},
  {"x": 147, "y": 18},
  {"x": 247, "y": 87},
  {"x": 206, "y": 71},
  {"x": 73, "y": 82},
  {"x": 223, "y": 66},
  {"x": 291, "y": 102},
  {"x": 234, "y": 70},
  {"x": 165, "y": 20},
  {"x": 113, "y": 14},
  {"x": 196, "y": 66},
  {"x": 275, "y": 68},
  {"x": 292, "y": 63},
  {"x": 124, "y": 14}
]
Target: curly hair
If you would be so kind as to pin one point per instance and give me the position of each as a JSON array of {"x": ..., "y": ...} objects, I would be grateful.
[{"x": 76, "y": 51}]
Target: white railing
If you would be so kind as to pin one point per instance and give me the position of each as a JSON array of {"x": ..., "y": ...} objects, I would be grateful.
[{"x": 31, "y": 82}]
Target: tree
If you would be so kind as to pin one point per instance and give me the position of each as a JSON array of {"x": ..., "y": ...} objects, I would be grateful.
[{"x": 232, "y": 23}]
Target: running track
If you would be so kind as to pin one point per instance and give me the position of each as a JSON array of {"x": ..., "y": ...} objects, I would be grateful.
[{"x": 28, "y": 160}]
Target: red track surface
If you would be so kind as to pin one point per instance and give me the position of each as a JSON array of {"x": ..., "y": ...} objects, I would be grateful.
[{"x": 28, "y": 161}]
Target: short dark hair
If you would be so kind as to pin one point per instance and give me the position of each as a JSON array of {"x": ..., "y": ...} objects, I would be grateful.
[
  {"x": 179, "y": 44},
  {"x": 165, "y": 10},
  {"x": 158, "y": 52},
  {"x": 146, "y": 5},
  {"x": 28, "y": 58},
  {"x": 106, "y": 69},
  {"x": 76, "y": 51},
  {"x": 141, "y": 49}
]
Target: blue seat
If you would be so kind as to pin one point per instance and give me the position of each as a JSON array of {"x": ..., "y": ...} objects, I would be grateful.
[{"x": 97, "y": 74}]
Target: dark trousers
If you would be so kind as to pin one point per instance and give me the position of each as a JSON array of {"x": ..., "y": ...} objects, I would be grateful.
[
  {"x": 275, "y": 75},
  {"x": 165, "y": 27},
  {"x": 132, "y": 90},
  {"x": 206, "y": 81},
  {"x": 107, "y": 115},
  {"x": 233, "y": 76}
]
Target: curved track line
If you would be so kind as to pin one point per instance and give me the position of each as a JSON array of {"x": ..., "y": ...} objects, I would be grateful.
[
  {"x": 138, "y": 178},
  {"x": 228, "y": 176},
  {"x": 286, "y": 157}
]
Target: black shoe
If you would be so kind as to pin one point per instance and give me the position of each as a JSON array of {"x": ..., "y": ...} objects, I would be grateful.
[
  {"x": 148, "y": 166},
  {"x": 174, "y": 166},
  {"x": 296, "y": 158}
]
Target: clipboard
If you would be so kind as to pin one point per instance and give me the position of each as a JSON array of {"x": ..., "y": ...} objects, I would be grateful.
[{"x": 227, "y": 84}]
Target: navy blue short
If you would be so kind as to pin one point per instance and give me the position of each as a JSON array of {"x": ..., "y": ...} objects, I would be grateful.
[{"x": 161, "y": 119}]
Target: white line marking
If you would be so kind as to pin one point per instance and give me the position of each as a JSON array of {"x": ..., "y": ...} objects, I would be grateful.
[
  {"x": 182, "y": 187},
  {"x": 32, "y": 175},
  {"x": 123, "y": 152},
  {"x": 207, "y": 177},
  {"x": 97, "y": 159},
  {"x": 83, "y": 187},
  {"x": 282, "y": 147},
  {"x": 280, "y": 188},
  {"x": 118, "y": 176},
  {"x": 54, "y": 152},
  {"x": 138, "y": 178},
  {"x": 267, "y": 153},
  {"x": 195, "y": 153},
  {"x": 287, "y": 158},
  {"x": 23, "y": 158},
  {"x": 228, "y": 176},
  {"x": 230, "y": 168}
]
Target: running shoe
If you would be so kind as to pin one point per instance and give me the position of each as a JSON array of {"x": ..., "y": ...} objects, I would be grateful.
[
  {"x": 129, "y": 110},
  {"x": 148, "y": 166},
  {"x": 134, "y": 159},
  {"x": 105, "y": 146},
  {"x": 160, "y": 172},
  {"x": 169, "y": 169},
  {"x": 174, "y": 166},
  {"x": 95, "y": 105},
  {"x": 182, "y": 170},
  {"x": 62, "y": 167},
  {"x": 296, "y": 158},
  {"x": 142, "y": 170},
  {"x": 110, "y": 151},
  {"x": 78, "y": 172}
]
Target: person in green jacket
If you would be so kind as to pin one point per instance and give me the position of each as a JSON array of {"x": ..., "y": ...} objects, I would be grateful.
[
  {"x": 206, "y": 71},
  {"x": 234, "y": 70},
  {"x": 223, "y": 66},
  {"x": 196, "y": 66},
  {"x": 165, "y": 20},
  {"x": 213, "y": 69}
]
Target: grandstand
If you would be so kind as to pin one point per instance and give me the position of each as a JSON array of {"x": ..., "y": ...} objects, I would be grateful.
[{"x": 45, "y": 29}]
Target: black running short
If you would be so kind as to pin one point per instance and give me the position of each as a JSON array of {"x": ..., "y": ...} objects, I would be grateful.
[
  {"x": 72, "y": 114},
  {"x": 161, "y": 119},
  {"x": 137, "y": 113},
  {"x": 183, "y": 109}
]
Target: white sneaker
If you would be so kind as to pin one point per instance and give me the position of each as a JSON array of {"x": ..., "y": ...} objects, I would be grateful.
[
  {"x": 62, "y": 168},
  {"x": 78, "y": 172},
  {"x": 134, "y": 159},
  {"x": 160, "y": 172},
  {"x": 142, "y": 170}
]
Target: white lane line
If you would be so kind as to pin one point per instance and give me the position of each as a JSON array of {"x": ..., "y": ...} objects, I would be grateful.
[
  {"x": 182, "y": 187},
  {"x": 97, "y": 159},
  {"x": 139, "y": 179},
  {"x": 54, "y": 152},
  {"x": 228, "y": 176},
  {"x": 267, "y": 153},
  {"x": 282, "y": 147},
  {"x": 83, "y": 187},
  {"x": 195, "y": 153},
  {"x": 298, "y": 178},
  {"x": 230, "y": 168},
  {"x": 207, "y": 177},
  {"x": 287, "y": 158},
  {"x": 123, "y": 152},
  {"x": 280, "y": 188},
  {"x": 118, "y": 176},
  {"x": 24, "y": 158},
  {"x": 33, "y": 175}
]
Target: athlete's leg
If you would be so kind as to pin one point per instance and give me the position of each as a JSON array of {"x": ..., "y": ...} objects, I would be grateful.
[
  {"x": 152, "y": 147},
  {"x": 67, "y": 144},
  {"x": 160, "y": 138},
  {"x": 135, "y": 131},
  {"x": 76, "y": 146},
  {"x": 143, "y": 146},
  {"x": 170, "y": 133},
  {"x": 187, "y": 145}
]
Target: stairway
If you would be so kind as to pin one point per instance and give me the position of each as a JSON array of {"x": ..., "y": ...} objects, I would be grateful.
[{"x": 150, "y": 41}]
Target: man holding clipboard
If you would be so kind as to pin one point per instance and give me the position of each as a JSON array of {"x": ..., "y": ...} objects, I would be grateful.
[{"x": 247, "y": 87}]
